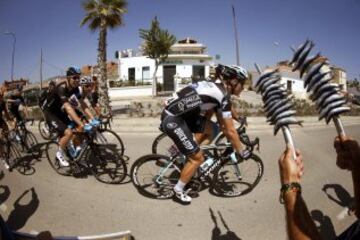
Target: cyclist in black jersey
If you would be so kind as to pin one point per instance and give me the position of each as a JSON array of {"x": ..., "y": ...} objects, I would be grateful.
[
  {"x": 3, "y": 125},
  {"x": 59, "y": 113},
  {"x": 183, "y": 116},
  {"x": 16, "y": 101}
]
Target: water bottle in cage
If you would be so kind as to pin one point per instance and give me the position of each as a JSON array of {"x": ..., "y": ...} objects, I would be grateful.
[{"x": 206, "y": 164}]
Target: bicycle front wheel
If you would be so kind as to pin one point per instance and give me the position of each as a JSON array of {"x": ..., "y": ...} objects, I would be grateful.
[
  {"x": 106, "y": 164},
  {"x": 162, "y": 144},
  {"x": 153, "y": 178},
  {"x": 111, "y": 139},
  {"x": 232, "y": 180},
  {"x": 51, "y": 149},
  {"x": 44, "y": 130}
]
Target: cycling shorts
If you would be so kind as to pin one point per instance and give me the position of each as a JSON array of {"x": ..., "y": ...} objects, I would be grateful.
[
  {"x": 59, "y": 121},
  {"x": 180, "y": 129}
]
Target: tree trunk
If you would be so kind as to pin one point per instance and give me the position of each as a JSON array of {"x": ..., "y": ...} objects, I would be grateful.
[
  {"x": 104, "y": 100},
  {"x": 154, "y": 84}
]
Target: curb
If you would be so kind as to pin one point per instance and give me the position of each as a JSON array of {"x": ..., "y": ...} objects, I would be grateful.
[{"x": 151, "y": 125}]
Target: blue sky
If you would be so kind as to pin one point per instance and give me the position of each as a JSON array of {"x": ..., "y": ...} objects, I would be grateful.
[{"x": 54, "y": 26}]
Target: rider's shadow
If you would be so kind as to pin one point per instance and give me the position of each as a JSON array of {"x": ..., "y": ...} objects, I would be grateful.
[
  {"x": 323, "y": 224},
  {"x": 342, "y": 197},
  {"x": 216, "y": 232},
  {"x": 4, "y": 193},
  {"x": 21, "y": 213}
]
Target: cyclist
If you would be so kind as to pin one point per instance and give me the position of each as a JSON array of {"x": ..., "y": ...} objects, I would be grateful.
[
  {"x": 60, "y": 114},
  {"x": 182, "y": 116},
  {"x": 3, "y": 125},
  {"x": 16, "y": 101},
  {"x": 94, "y": 96}
]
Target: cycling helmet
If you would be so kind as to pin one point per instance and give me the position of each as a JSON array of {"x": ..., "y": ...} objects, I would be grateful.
[
  {"x": 71, "y": 71},
  {"x": 85, "y": 80},
  {"x": 231, "y": 71}
]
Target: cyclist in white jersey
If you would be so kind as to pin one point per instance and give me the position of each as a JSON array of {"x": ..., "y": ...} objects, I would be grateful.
[{"x": 183, "y": 116}]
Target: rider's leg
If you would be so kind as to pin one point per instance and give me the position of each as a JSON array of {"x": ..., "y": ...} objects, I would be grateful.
[
  {"x": 189, "y": 170},
  {"x": 207, "y": 135},
  {"x": 60, "y": 122},
  {"x": 65, "y": 138},
  {"x": 178, "y": 130}
]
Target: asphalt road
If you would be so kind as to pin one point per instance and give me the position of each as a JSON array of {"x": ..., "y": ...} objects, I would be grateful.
[{"x": 73, "y": 206}]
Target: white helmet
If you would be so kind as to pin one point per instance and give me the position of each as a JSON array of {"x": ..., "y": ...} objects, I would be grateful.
[
  {"x": 232, "y": 71},
  {"x": 85, "y": 80}
]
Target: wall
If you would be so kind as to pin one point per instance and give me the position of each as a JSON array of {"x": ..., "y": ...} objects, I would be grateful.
[{"x": 183, "y": 69}]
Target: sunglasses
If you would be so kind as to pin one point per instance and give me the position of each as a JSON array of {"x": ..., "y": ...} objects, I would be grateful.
[{"x": 76, "y": 77}]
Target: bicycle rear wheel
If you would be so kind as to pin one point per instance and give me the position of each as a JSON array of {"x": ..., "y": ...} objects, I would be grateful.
[
  {"x": 51, "y": 149},
  {"x": 106, "y": 164},
  {"x": 111, "y": 139},
  {"x": 162, "y": 144},
  {"x": 44, "y": 130},
  {"x": 227, "y": 183},
  {"x": 152, "y": 178}
]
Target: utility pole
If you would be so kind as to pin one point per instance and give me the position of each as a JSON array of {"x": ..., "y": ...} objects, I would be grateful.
[
  {"x": 236, "y": 38},
  {"x": 41, "y": 70},
  {"x": 13, "y": 53}
]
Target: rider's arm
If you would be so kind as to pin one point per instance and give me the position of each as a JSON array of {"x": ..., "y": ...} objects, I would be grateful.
[
  {"x": 234, "y": 114},
  {"x": 86, "y": 109},
  {"x": 97, "y": 109},
  {"x": 230, "y": 132},
  {"x": 71, "y": 112}
]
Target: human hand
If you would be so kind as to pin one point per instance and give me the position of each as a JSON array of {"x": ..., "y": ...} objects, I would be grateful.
[
  {"x": 290, "y": 170},
  {"x": 348, "y": 153}
]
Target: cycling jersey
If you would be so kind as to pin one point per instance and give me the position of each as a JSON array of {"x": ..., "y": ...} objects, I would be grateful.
[
  {"x": 93, "y": 98},
  {"x": 14, "y": 106},
  {"x": 3, "y": 124},
  {"x": 201, "y": 96},
  {"x": 2, "y": 107},
  {"x": 58, "y": 96},
  {"x": 54, "y": 113},
  {"x": 17, "y": 101},
  {"x": 182, "y": 115}
]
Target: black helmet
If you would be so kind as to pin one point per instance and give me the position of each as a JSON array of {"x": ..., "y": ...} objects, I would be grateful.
[{"x": 71, "y": 71}]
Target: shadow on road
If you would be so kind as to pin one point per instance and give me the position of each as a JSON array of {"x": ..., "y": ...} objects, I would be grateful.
[
  {"x": 216, "y": 232},
  {"x": 21, "y": 213},
  {"x": 4, "y": 193},
  {"x": 323, "y": 224},
  {"x": 342, "y": 197}
]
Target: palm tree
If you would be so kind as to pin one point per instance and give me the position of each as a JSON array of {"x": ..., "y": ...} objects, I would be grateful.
[
  {"x": 101, "y": 15},
  {"x": 157, "y": 44}
]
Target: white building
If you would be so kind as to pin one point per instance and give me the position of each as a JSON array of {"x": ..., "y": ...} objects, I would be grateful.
[
  {"x": 295, "y": 85},
  {"x": 187, "y": 60}
]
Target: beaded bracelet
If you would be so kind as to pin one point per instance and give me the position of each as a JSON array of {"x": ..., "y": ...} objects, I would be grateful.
[{"x": 289, "y": 187}]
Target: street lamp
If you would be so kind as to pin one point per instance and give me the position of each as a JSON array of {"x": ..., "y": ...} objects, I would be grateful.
[{"x": 13, "y": 53}]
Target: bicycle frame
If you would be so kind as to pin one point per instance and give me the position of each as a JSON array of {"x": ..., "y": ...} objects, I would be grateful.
[{"x": 220, "y": 160}]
